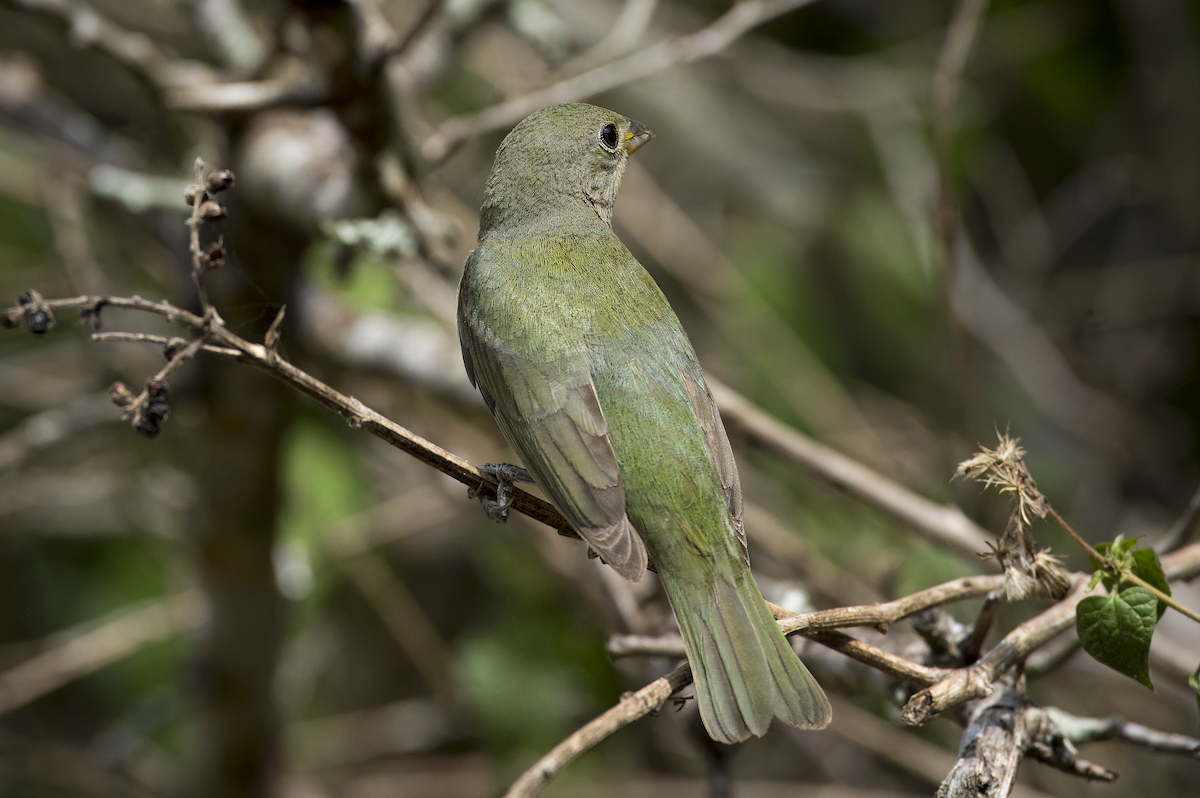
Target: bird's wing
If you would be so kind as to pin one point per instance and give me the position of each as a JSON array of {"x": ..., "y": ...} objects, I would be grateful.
[
  {"x": 718, "y": 445},
  {"x": 550, "y": 414}
]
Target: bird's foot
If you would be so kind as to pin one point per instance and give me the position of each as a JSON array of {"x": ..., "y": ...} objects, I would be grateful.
[{"x": 505, "y": 475}]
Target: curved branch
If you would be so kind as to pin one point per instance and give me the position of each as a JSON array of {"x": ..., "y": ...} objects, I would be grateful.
[
  {"x": 681, "y": 50},
  {"x": 223, "y": 343},
  {"x": 975, "y": 681},
  {"x": 942, "y": 523},
  {"x": 633, "y": 706}
]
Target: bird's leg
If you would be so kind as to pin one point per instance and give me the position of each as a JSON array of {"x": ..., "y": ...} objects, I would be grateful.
[{"x": 505, "y": 475}]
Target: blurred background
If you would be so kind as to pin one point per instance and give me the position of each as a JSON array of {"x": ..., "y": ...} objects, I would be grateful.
[{"x": 263, "y": 601}]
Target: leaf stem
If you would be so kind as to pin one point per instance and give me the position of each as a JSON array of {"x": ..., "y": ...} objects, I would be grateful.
[
  {"x": 1097, "y": 556},
  {"x": 1163, "y": 597},
  {"x": 1108, "y": 565}
]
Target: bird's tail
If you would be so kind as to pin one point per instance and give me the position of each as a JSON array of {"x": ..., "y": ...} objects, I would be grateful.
[{"x": 744, "y": 669}]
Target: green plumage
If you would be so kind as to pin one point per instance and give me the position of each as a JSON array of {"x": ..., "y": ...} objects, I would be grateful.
[{"x": 594, "y": 383}]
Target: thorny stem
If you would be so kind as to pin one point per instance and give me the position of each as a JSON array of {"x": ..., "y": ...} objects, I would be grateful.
[{"x": 1111, "y": 567}]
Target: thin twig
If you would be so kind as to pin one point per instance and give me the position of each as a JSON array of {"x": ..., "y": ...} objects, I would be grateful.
[
  {"x": 89, "y": 28},
  {"x": 947, "y": 80},
  {"x": 942, "y": 523},
  {"x": 632, "y": 707},
  {"x": 1181, "y": 532},
  {"x": 51, "y": 426},
  {"x": 674, "y": 52},
  {"x": 1115, "y": 727},
  {"x": 77, "y": 653},
  {"x": 889, "y": 612},
  {"x": 224, "y": 343},
  {"x": 975, "y": 681},
  {"x": 163, "y": 340},
  {"x": 408, "y": 624},
  {"x": 879, "y": 615},
  {"x": 1095, "y": 555},
  {"x": 1124, "y": 573}
]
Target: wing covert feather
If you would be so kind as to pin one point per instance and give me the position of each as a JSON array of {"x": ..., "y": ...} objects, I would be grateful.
[
  {"x": 551, "y": 415},
  {"x": 719, "y": 448}
]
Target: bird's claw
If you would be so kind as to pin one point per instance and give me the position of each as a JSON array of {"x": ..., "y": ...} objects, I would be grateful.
[{"x": 505, "y": 474}]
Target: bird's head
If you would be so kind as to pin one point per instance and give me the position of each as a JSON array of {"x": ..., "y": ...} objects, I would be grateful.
[{"x": 560, "y": 165}]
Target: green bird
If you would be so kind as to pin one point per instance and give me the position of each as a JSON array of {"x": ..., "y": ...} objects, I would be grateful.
[{"x": 594, "y": 383}]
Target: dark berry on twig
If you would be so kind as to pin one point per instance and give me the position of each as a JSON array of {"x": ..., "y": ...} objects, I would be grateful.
[
  {"x": 147, "y": 426},
  {"x": 157, "y": 390},
  {"x": 40, "y": 321},
  {"x": 25, "y": 299},
  {"x": 219, "y": 181},
  {"x": 193, "y": 193}
]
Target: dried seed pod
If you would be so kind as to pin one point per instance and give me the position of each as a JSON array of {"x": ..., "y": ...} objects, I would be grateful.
[
  {"x": 158, "y": 390},
  {"x": 211, "y": 211},
  {"x": 193, "y": 193},
  {"x": 157, "y": 411},
  {"x": 9, "y": 319},
  {"x": 25, "y": 299},
  {"x": 214, "y": 253},
  {"x": 147, "y": 426},
  {"x": 120, "y": 394},
  {"x": 40, "y": 321},
  {"x": 219, "y": 181}
]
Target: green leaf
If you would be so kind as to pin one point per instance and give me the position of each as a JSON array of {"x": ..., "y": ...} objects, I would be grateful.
[
  {"x": 1194, "y": 683},
  {"x": 1116, "y": 630},
  {"x": 1147, "y": 566}
]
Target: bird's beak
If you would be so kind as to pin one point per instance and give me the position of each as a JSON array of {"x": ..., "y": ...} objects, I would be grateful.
[{"x": 637, "y": 135}]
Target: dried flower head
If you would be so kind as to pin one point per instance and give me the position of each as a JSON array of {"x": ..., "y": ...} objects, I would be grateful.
[
  {"x": 1004, "y": 468},
  {"x": 1027, "y": 570}
]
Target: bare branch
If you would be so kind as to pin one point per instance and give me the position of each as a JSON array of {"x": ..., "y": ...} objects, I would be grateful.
[
  {"x": 51, "y": 426},
  {"x": 879, "y": 616},
  {"x": 80, "y": 770},
  {"x": 1181, "y": 532},
  {"x": 232, "y": 34},
  {"x": 1002, "y": 730},
  {"x": 1028, "y": 352},
  {"x": 408, "y": 624},
  {"x": 889, "y": 612},
  {"x": 375, "y": 35},
  {"x": 1083, "y": 730},
  {"x": 945, "y": 524},
  {"x": 976, "y": 680},
  {"x": 79, "y": 652},
  {"x": 224, "y": 343},
  {"x": 89, "y": 28},
  {"x": 947, "y": 80},
  {"x": 673, "y": 52},
  {"x": 632, "y": 707},
  {"x": 298, "y": 83}
]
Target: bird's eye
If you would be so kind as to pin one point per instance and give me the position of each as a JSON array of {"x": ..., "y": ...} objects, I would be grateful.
[{"x": 608, "y": 136}]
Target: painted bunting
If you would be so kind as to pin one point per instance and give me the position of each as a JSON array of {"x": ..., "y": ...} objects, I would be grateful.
[{"x": 596, "y": 386}]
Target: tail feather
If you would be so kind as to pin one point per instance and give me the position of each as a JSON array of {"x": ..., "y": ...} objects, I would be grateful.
[{"x": 745, "y": 671}]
